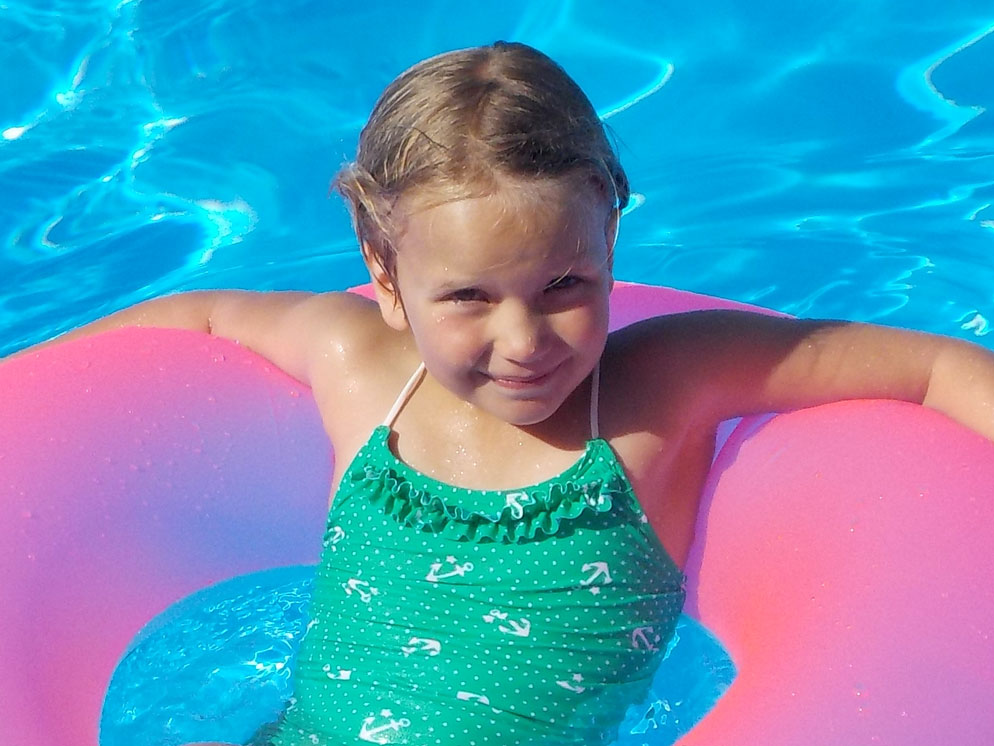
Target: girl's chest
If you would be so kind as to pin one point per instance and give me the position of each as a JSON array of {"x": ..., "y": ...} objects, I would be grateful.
[{"x": 666, "y": 468}]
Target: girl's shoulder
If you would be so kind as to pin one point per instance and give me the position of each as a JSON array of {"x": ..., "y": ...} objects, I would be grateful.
[
  {"x": 696, "y": 368},
  {"x": 314, "y": 337},
  {"x": 358, "y": 364},
  {"x": 648, "y": 381},
  {"x": 351, "y": 324}
]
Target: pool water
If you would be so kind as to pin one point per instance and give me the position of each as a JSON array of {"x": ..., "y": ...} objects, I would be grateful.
[{"x": 826, "y": 159}]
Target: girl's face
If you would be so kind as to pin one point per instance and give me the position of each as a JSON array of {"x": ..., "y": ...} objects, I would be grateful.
[{"x": 507, "y": 295}]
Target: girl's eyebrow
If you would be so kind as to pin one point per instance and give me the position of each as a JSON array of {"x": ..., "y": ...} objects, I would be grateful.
[
  {"x": 579, "y": 263},
  {"x": 457, "y": 284}
]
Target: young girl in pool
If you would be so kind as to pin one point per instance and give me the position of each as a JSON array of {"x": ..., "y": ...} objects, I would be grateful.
[{"x": 454, "y": 605}]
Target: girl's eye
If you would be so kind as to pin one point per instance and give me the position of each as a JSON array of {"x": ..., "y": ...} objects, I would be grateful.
[
  {"x": 465, "y": 295},
  {"x": 565, "y": 282}
]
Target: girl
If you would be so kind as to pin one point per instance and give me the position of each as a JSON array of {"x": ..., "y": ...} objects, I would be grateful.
[{"x": 453, "y": 605}]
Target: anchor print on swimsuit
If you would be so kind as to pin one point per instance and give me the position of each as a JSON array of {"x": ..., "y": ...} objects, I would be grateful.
[
  {"x": 519, "y": 627},
  {"x": 470, "y": 697},
  {"x": 646, "y": 638},
  {"x": 361, "y": 588},
  {"x": 342, "y": 673},
  {"x": 600, "y": 575},
  {"x": 452, "y": 569},
  {"x": 516, "y": 502},
  {"x": 377, "y": 729},
  {"x": 332, "y": 536},
  {"x": 574, "y": 685},
  {"x": 422, "y": 645}
]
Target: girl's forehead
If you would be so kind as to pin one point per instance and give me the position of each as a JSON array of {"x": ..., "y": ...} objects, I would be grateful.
[
  {"x": 541, "y": 213},
  {"x": 477, "y": 236}
]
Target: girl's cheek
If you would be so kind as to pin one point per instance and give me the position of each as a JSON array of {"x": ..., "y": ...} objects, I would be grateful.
[
  {"x": 591, "y": 318},
  {"x": 450, "y": 322},
  {"x": 455, "y": 331}
]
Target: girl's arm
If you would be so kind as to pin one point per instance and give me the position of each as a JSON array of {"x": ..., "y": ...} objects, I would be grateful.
[
  {"x": 299, "y": 332},
  {"x": 732, "y": 363}
]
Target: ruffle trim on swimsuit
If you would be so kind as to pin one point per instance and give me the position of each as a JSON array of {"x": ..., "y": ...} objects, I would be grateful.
[{"x": 413, "y": 499}]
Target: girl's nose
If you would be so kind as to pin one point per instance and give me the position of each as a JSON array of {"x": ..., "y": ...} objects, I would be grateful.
[{"x": 518, "y": 333}]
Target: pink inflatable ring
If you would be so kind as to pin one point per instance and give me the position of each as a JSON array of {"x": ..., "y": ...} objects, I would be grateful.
[{"x": 842, "y": 554}]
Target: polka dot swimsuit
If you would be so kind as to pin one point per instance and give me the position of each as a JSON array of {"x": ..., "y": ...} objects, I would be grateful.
[{"x": 444, "y": 616}]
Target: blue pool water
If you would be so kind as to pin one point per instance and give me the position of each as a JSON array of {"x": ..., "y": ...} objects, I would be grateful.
[{"x": 827, "y": 159}]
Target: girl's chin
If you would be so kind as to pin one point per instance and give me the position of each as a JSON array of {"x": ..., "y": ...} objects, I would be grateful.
[
  {"x": 517, "y": 402},
  {"x": 520, "y": 412}
]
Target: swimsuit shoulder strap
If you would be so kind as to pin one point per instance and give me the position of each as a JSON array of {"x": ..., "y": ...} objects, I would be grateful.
[
  {"x": 405, "y": 394},
  {"x": 595, "y": 391}
]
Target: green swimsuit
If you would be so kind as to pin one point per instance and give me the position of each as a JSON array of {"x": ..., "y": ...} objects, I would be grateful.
[{"x": 449, "y": 616}]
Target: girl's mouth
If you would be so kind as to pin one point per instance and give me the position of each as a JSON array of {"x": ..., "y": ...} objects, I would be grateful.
[{"x": 523, "y": 382}]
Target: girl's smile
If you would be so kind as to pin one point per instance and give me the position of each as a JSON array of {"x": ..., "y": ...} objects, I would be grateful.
[{"x": 523, "y": 382}]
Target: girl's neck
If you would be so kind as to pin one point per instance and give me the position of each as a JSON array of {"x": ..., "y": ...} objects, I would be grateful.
[{"x": 436, "y": 414}]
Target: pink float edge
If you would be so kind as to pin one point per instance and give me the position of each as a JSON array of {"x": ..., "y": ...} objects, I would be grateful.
[{"x": 842, "y": 551}]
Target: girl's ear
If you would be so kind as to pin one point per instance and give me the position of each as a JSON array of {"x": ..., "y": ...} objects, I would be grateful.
[{"x": 385, "y": 290}]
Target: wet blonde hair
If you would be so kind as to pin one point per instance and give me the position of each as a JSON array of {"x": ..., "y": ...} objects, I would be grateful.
[{"x": 455, "y": 125}]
